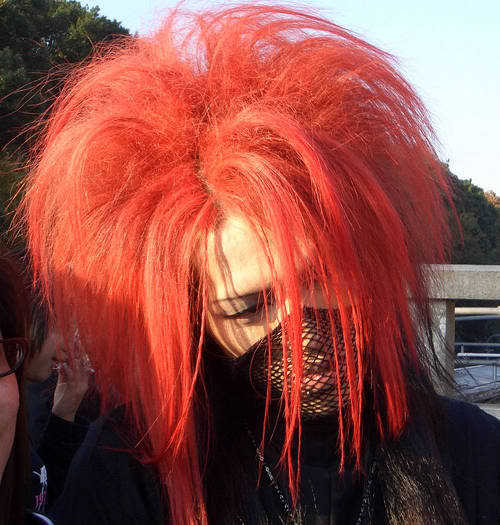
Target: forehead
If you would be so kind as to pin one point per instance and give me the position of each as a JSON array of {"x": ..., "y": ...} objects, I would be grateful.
[{"x": 236, "y": 259}]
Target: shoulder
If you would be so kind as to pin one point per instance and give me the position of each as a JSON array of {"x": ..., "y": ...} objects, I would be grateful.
[
  {"x": 106, "y": 484},
  {"x": 471, "y": 435},
  {"x": 469, "y": 424},
  {"x": 472, "y": 443}
]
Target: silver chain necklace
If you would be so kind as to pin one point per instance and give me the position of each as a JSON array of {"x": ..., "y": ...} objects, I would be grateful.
[{"x": 365, "y": 499}]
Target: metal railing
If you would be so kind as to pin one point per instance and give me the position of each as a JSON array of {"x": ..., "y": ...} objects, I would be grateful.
[{"x": 474, "y": 359}]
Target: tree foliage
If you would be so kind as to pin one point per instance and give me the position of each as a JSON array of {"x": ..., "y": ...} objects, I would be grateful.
[
  {"x": 11, "y": 175},
  {"x": 38, "y": 37},
  {"x": 477, "y": 240},
  {"x": 40, "y": 40}
]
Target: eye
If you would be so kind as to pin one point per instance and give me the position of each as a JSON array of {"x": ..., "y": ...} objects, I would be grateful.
[{"x": 256, "y": 308}]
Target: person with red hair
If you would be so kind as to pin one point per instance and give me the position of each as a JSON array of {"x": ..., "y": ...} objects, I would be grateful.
[{"x": 237, "y": 212}]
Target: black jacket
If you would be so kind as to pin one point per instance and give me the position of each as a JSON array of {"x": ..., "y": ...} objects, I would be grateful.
[{"x": 107, "y": 486}]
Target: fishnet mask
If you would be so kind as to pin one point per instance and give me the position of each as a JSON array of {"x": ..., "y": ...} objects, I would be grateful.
[{"x": 319, "y": 392}]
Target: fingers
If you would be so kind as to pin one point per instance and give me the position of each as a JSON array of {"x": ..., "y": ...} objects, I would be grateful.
[
  {"x": 73, "y": 380},
  {"x": 74, "y": 367},
  {"x": 87, "y": 364},
  {"x": 62, "y": 375},
  {"x": 72, "y": 384}
]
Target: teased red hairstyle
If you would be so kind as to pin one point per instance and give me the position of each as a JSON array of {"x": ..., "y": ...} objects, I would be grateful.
[{"x": 271, "y": 113}]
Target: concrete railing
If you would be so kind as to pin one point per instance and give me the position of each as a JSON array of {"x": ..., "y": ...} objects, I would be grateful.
[{"x": 454, "y": 282}]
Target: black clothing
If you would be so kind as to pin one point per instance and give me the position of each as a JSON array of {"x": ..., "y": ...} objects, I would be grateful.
[
  {"x": 57, "y": 448},
  {"x": 50, "y": 462},
  {"x": 40, "y": 397},
  {"x": 40, "y": 400},
  {"x": 474, "y": 460},
  {"x": 53, "y": 441},
  {"x": 39, "y": 483},
  {"x": 107, "y": 485}
]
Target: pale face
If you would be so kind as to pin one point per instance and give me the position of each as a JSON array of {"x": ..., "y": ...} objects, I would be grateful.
[
  {"x": 9, "y": 406},
  {"x": 40, "y": 366},
  {"x": 238, "y": 271}
]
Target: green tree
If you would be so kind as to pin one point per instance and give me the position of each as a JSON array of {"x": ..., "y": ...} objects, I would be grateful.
[
  {"x": 479, "y": 240},
  {"x": 38, "y": 37},
  {"x": 40, "y": 40},
  {"x": 11, "y": 176}
]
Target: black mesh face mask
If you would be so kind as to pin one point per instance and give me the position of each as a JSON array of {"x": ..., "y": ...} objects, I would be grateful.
[{"x": 319, "y": 392}]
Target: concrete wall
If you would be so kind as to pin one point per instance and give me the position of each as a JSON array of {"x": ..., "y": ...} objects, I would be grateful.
[
  {"x": 465, "y": 281},
  {"x": 451, "y": 282}
]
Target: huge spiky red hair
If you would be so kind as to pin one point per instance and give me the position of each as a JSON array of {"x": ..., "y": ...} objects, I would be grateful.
[{"x": 269, "y": 112}]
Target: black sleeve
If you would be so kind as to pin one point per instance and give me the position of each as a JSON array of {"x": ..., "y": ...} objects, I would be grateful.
[
  {"x": 474, "y": 452},
  {"x": 58, "y": 445},
  {"x": 107, "y": 486}
]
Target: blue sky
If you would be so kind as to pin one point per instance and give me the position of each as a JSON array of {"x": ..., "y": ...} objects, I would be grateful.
[{"x": 449, "y": 50}]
